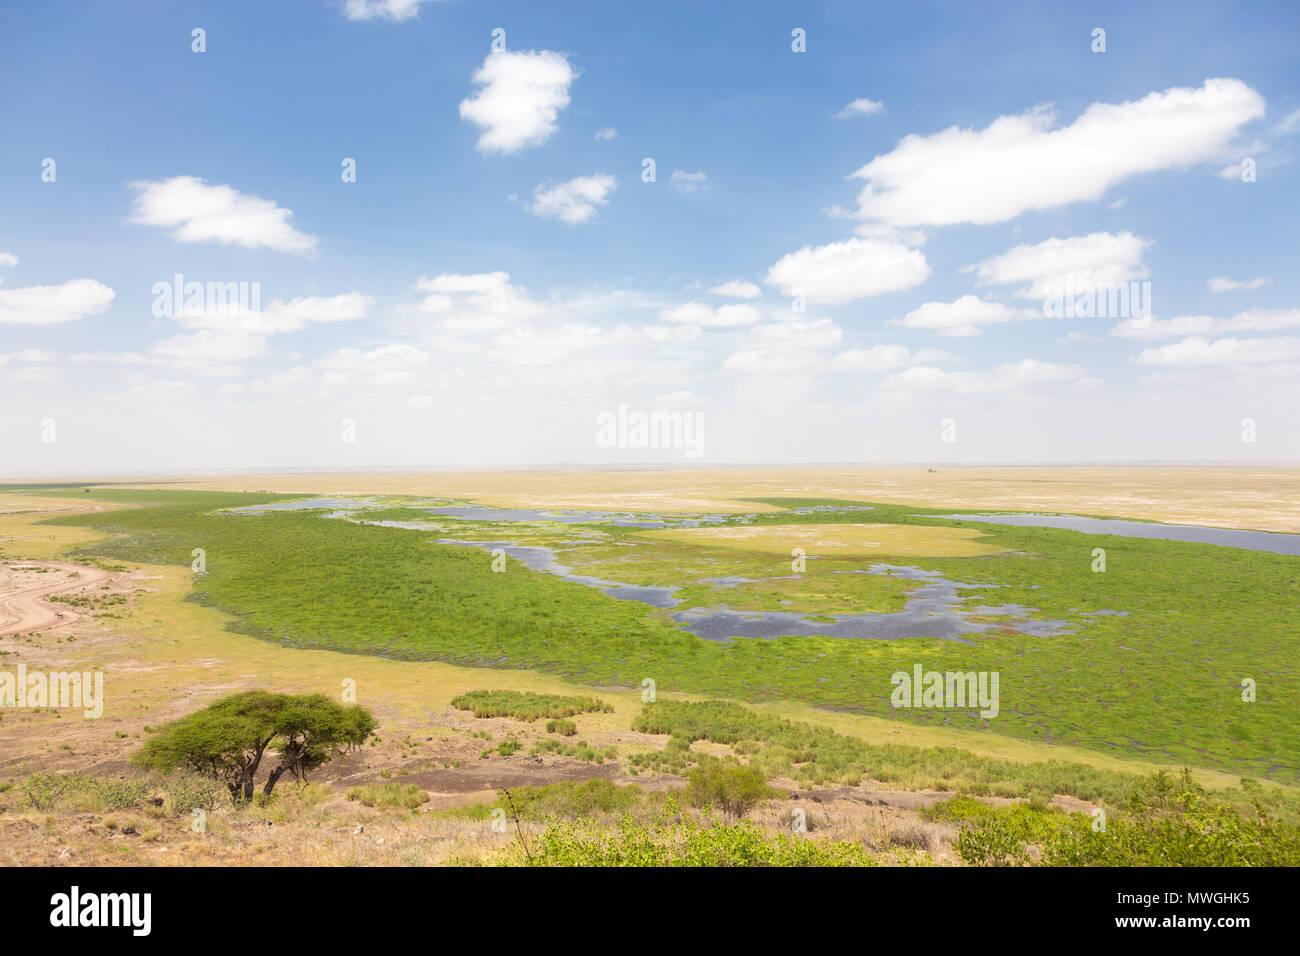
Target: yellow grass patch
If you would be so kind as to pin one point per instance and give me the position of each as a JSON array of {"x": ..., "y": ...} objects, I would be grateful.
[{"x": 840, "y": 540}]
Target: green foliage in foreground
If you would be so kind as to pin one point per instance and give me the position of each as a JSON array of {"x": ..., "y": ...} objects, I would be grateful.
[
  {"x": 568, "y": 799},
  {"x": 526, "y": 705},
  {"x": 683, "y": 842},
  {"x": 1164, "y": 681},
  {"x": 1166, "y": 822},
  {"x": 227, "y": 739}
]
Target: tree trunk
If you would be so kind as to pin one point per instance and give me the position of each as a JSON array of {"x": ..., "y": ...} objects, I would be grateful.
[{"x": 273, "y": 779}]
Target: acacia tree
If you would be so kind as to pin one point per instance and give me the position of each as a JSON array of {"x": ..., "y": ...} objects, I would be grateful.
[{"x": 228, "y": 739}]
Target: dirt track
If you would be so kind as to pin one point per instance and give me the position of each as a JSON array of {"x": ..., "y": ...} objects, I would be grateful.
[{"x": 28, "y": 604}]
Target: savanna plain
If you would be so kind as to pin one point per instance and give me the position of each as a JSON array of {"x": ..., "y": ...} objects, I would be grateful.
[{"x": 653, "y": 667}]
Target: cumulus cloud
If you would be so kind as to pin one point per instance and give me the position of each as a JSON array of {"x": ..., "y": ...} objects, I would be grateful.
[
  {"x": 737, "y": 289},
  {"x": 606, "y": 132},
  {"x": 702, "y": 314},
  {"x": 1221, "y": 284},
  {"x": 575, "y": 201},
  {"x": 397, "y": 10},
  {"x": 685, "y": 182},
  {"x": 233, "y": 315},
  {"x": 852, "y": 269},
  {"x": 198, "y": 212},
  {"x": 1252, "y": 320},
  {"x": 520, "y": 96},
  {"x": 8, "y": 259},
  {"x": 878, "y": 358},
  {"x": 963, "y": 317},
  {"x": 1025, "y": 162},
  {"x": 1095, "y": 261},
  {"x": 211, "y": 351},
  {"x": 50, "y": 304},
  {"x": 1198, "y": 350},
  {"x": 859, "y": 107},
  {"x": 1005, "y": 378}
]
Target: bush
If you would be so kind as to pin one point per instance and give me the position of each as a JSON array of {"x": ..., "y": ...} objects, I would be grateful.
[
  {"x": 46, "y": 789},
  {"x": 526, "y": 705},
  {"x": 727, "y": 785},
  {"x": 389, "y": 796},
  {"x": 1166, "y": 822},
  {"x": 565, "y": 728}
]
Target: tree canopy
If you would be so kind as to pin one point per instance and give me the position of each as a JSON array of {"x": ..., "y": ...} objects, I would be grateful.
[{"x": 228, "y": 739}]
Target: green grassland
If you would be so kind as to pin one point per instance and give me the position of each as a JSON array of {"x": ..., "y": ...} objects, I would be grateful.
[{"x": 1163, "y": 682}]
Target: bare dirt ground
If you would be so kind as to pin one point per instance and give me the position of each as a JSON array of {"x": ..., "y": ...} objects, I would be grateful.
[
  {"x": 24, "y": 587},
  {"x": 1260, "y": 497}
]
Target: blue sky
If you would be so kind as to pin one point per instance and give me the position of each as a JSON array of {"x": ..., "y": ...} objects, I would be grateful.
[{"x": 917, "y": 307}]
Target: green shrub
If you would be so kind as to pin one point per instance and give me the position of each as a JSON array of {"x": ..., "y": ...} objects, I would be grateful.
[
  {"x": 683, "y": 842},
  {"x": 727, "y": 785},
  {"x": 1167, "y": 821},
  {"x": 526, "y": 705},
  {"x": 389, "y": 796},
  {"x": 565, "y": 728}
]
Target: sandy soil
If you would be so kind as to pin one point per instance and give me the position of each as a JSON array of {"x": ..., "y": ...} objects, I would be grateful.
[{"x": 23, "y": 591}]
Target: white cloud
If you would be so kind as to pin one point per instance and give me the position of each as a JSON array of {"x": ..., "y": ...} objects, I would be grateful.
[
  {"x": 197, "y": 212},
  {"x": 878, "y": 358},
  {"x": 211, "y": 351},
  {"x": 737, "y": 289},
  {"x": 1221, "y": 284},
  {"x": 575, "y": 201},
  {"x": 701, "y": 314},
  {"x": 797, "y": 334},
  {"x": 961, "y": 318},
  {"x": 49, "y": 304},
  {"x": 28, "y": 356},
  {"x": 1031, "y": 371},
  {"x": 1021, "y": 163},
  {"x": 379, "y": 367},
  {"x": 1095, "y": 261},
  {"x": 8, "y": 259},
  {"x": 859, "y": 107},
  {"x": 1198, "y": 350},
  {"x": 852, "y": 269},
  {"x": 477, "y": 302},
  {"x": 1010, "y": 377},
  {"x": 685, "y": 182},
  {"x": 606, "y": 132},
  {"x": 1252, "y": 320},
  {"x": 520, "y": 96},
  {"x": 279, "y": 316},
  {"x": 397, "y": 10}
]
